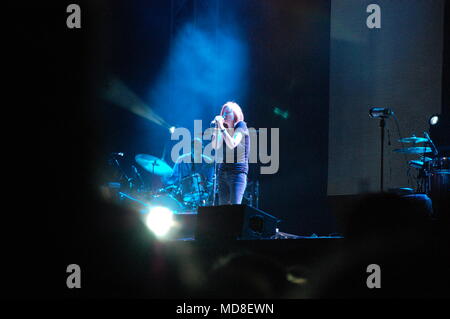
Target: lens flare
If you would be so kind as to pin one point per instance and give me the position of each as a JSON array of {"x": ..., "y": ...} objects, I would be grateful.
[{"x": 160, "y": 220}]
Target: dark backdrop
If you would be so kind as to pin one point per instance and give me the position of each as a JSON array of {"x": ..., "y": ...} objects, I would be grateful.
[{"x": 398, "y": 66}]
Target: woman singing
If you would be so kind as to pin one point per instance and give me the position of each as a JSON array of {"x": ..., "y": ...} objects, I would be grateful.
[{"x": 232, "y": 172}]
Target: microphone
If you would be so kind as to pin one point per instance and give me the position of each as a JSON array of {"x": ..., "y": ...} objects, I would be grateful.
[
  {"x": 435, "y": 151},
  {"x": 381, "y": 112},
  {"x": 214, "y": 121}
]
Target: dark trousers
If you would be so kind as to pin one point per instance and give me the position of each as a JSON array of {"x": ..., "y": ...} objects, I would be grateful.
[{"x": 231, "y": 187}]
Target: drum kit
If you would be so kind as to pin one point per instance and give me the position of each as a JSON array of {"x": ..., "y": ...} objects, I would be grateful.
[
  {"x": 433, "y": 170},
  {"x": 186, "y": 195}
]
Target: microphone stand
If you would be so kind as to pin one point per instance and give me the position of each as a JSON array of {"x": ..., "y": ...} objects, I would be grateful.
[
  {"x": 215, "y": 176},
  {"x": 215, "y": 165},
  {"x": 382, "y": 126},
  {"x": 382, "y": 114},
  {"x": 116, "y": 162},
  {"x": 140, "y": 178}
]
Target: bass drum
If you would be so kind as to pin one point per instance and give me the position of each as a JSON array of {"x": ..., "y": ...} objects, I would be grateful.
[{"x": 168, "y": 201}]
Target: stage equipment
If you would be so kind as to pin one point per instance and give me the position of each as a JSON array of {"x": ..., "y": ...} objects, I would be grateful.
[
  {"x": 251, "y": 194},
  {"x": 166, "y": 199},
  {"x": 119, "y": 177},
  {"x": 416, "y": 164},
  {"x": 430, "y": 142},
  {"x": 433, "y": 172},
  {"x": 381, "y": 114},
  {"x": 414, "y": 150},
  {"x": 194, "y": 190},
  {"x": 413, "y": 139},
  {"x": 234, "y": 222},
  {"x": 154, "y": 165},
  {"x": 437, "y": 172},
  {"x": 189, "y": 193}
]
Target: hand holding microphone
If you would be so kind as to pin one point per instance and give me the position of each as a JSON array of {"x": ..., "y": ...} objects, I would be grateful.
[{"x": 218, "y": 121}]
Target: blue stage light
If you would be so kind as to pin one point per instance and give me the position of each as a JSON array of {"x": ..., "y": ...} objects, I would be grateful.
[{"x": 203, "y": 70}]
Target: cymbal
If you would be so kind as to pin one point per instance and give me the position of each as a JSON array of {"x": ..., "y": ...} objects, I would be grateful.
[
  {"x": 413, "y": 150},
  {"x": 416, "y": 164},
  {"x": 153, "y": 165},
  {"x": 413, "y": 139}
]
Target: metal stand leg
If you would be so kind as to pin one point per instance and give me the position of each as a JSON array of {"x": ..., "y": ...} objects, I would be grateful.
[
  {"x": 382, "y": 125},
  {"x": 215, "y": 180}
]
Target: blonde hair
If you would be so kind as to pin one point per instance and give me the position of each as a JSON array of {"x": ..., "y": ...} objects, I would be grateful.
[{"x": 237, "y": 111}]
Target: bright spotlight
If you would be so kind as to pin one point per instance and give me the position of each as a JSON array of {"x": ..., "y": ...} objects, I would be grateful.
[
  {"x": 434, "y": 119},
  {"x": 172, "y": 129},
  {"x": 160, "y": 220}
]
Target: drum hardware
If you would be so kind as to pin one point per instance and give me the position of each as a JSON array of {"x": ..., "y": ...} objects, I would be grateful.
[
  {"x": 425, "y": 159},
  {"x": 113, "y": 160},
  {"x": 413, "y": 139},
  {"x": 188, "y": 194},
  {"x": 194, "y": 191},
  {"x": 124, "y": 180},
  {"x": 433, "y": 175},
  {"x": 439, "y": 165},
  {"x": 171, "y": 189},
  {"x": 251, "y": 194},
  {"x": 139, "y": 177},
  {"x": 166, "y": 200},
  {"x": 416, "y": 164},
  {"x": 433, "y": 172},
  {"x": 437, "y": 177},
  {"x": 123, "y": 196},
  {"x": 381, "y": 114},
  {"x": 414, "y": 150},
  {"x": 419, "y": 149},
  {"x": 154, "y": 165}
]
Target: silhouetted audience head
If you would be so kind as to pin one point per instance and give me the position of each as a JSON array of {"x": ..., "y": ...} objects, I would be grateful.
[
  {"x": 245, "y": 275},
  {"x": 394, "y": 233},
  {"x": 383, "y": 216}
]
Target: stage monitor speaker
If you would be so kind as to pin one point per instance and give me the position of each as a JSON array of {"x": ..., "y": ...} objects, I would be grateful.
[{"x": 234, "y": 222}]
